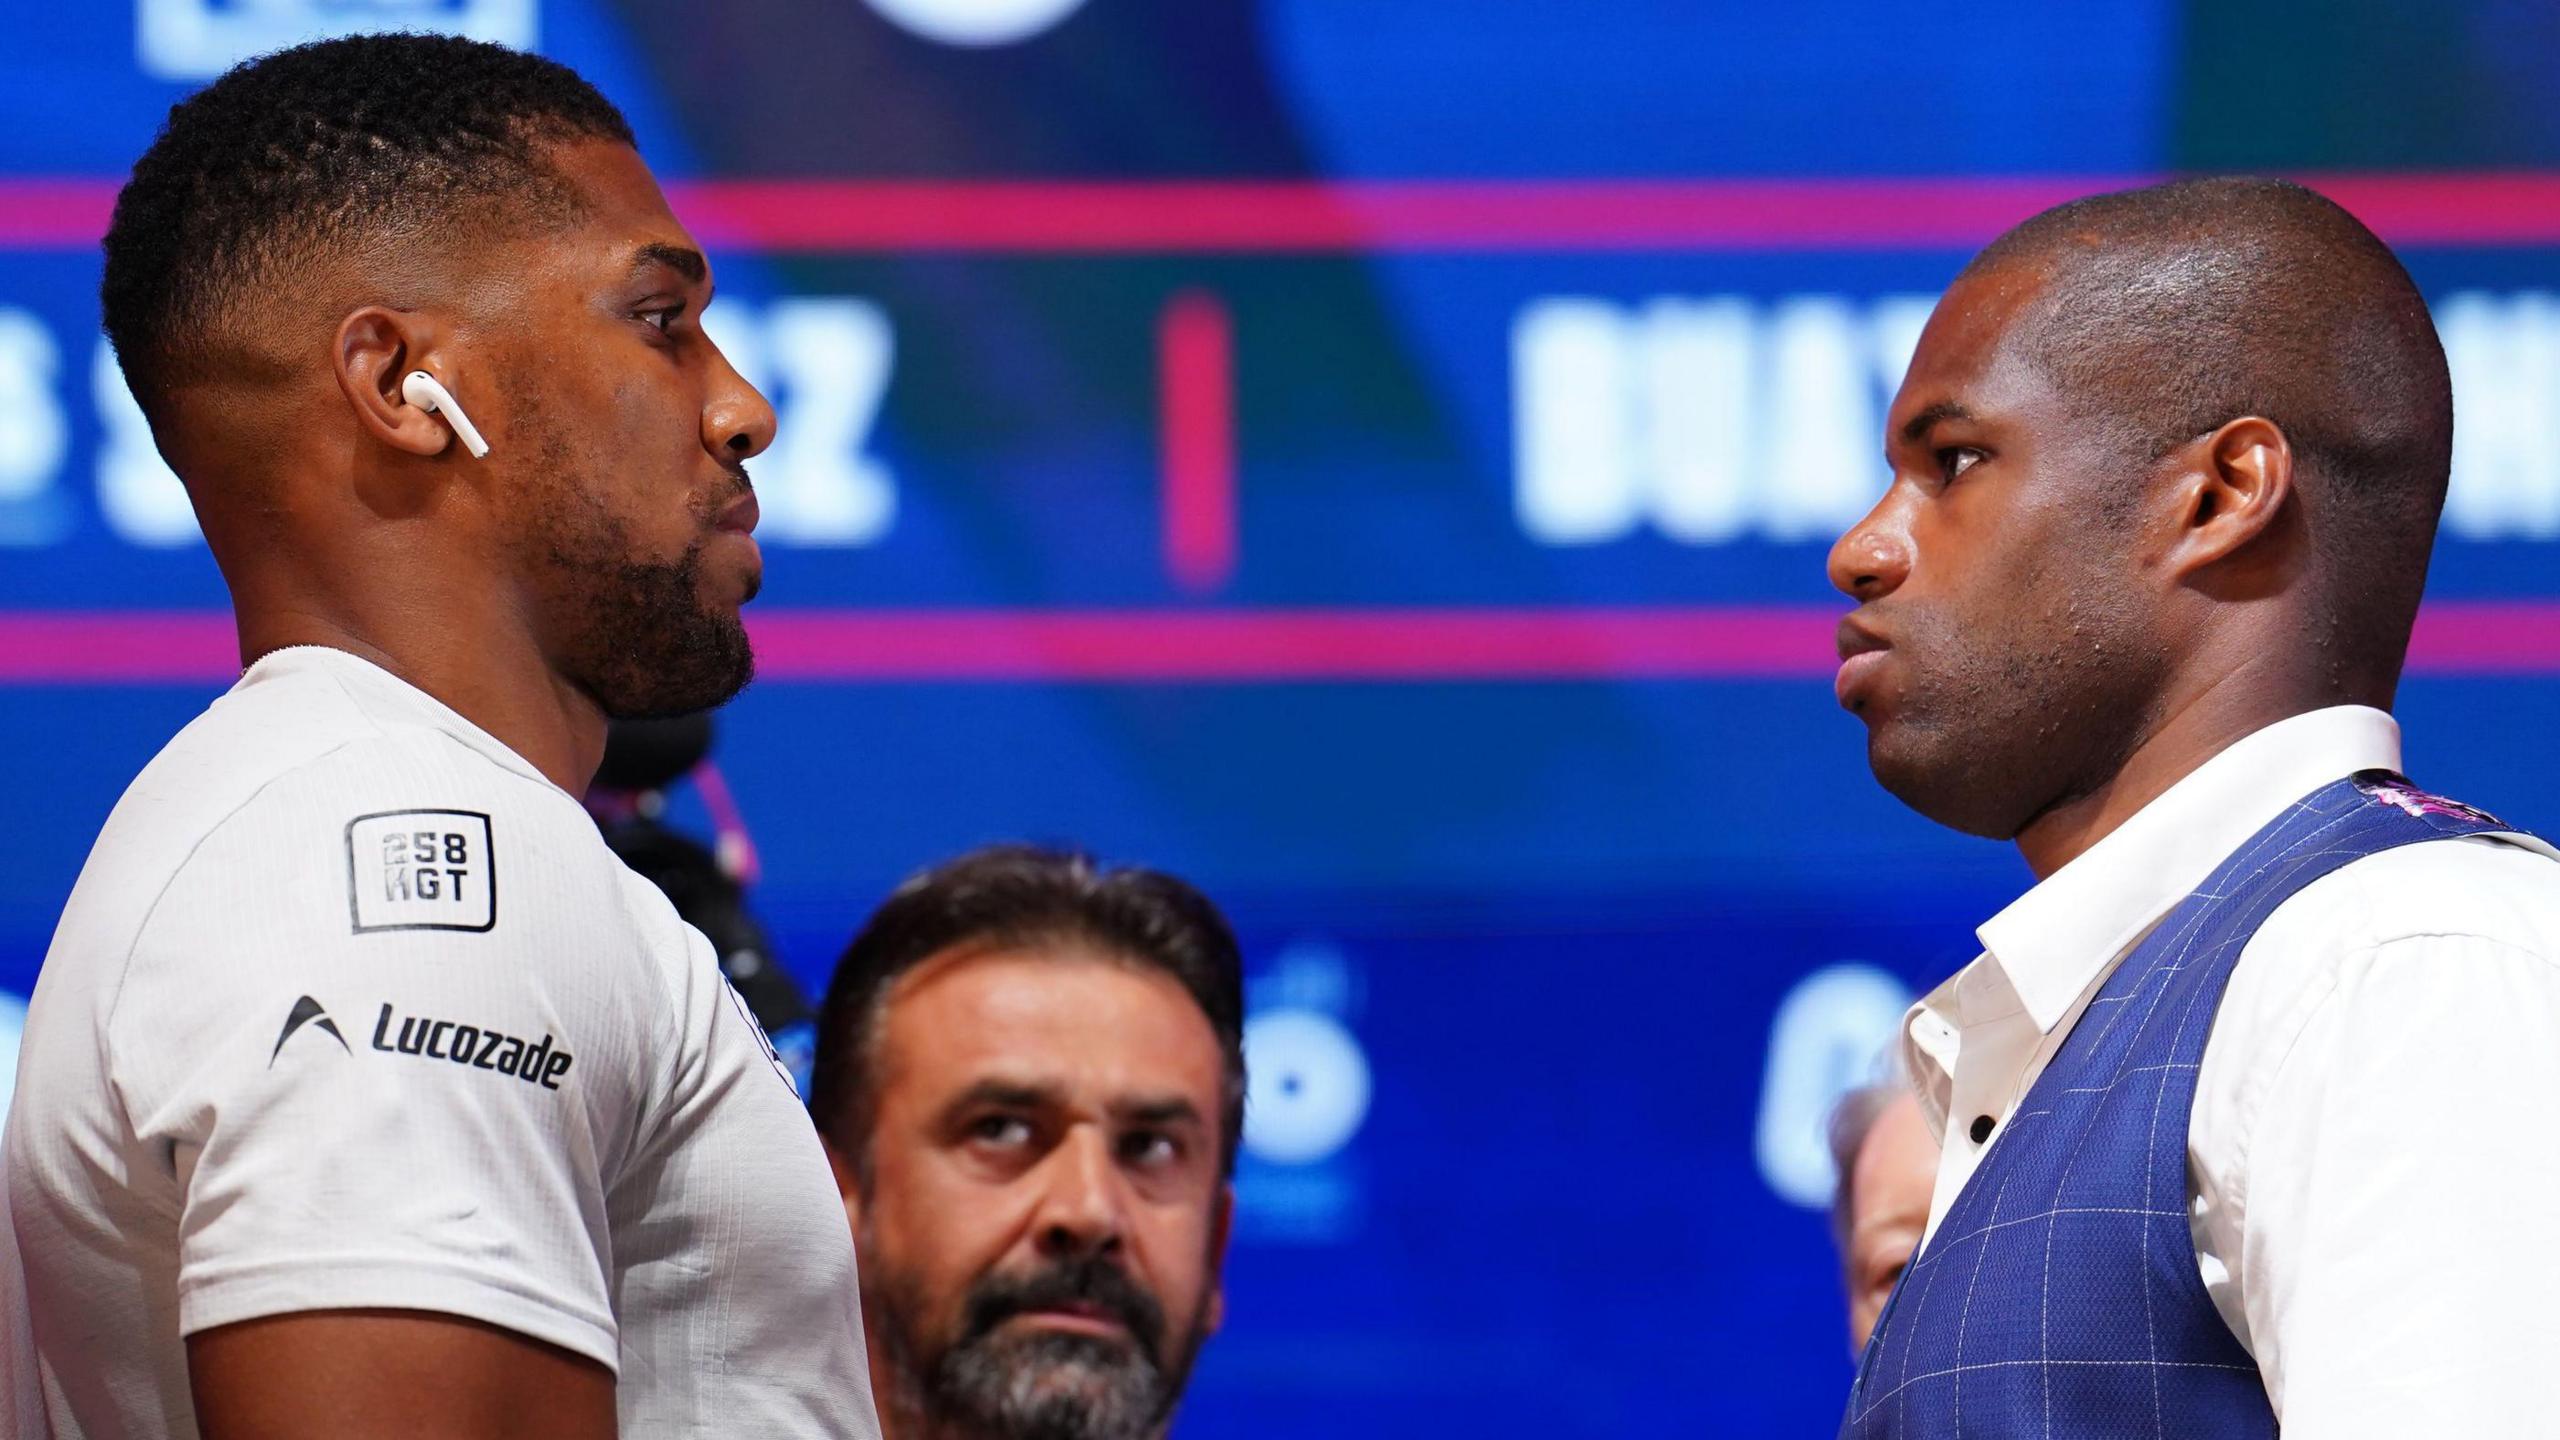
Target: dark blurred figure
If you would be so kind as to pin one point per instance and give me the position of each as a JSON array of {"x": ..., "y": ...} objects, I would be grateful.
[
  {"x": 643, "y": 760},
  {"x": 1888, "y": 1164},
  {"x": 1030, "y": 1076}
]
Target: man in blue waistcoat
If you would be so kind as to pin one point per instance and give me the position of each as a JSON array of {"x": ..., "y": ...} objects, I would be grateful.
[{"x": 2247, "y": 1105}]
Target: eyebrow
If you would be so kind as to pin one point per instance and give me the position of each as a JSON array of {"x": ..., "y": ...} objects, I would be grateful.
[
  {"x": 682, "y": 259},
  {"x": 1010, "y": 1094},
  {"x": 1171, "y": 1111},
  {"x": 1014, "y": 1095},
  {"x": 1918, "y": 426}
]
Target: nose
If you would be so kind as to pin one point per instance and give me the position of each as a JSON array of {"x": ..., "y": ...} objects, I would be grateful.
[
  {"x": 737, "y": 422},
  {"x": 1873, "y": 558},
  {"x": 1080, "y": 1203}
]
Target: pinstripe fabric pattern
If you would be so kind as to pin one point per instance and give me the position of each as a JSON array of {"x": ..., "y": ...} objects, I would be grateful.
[{"x": 2060, "y": 1295}]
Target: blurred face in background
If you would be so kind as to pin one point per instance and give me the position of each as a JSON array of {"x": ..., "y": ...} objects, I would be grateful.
[
  {"x": 1889, "y": 1188},
  {"x": 1040, "y": 1207}
]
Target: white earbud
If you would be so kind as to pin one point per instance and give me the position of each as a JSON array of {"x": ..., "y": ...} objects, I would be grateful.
[{"x": 424, "y": 391}]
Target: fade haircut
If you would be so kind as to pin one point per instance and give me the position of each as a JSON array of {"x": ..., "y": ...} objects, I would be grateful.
[
  {"x": 1023, "y": 897},
  {"x": 2170, "y": 310},
  {"x": 324, "y": 149}
]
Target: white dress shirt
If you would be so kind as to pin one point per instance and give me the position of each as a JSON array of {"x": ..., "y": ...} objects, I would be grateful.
[{"x": 2373, "y": 1161}]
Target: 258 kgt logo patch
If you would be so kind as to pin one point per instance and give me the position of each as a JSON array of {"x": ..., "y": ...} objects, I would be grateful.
[{"x": 421, "y": 870}]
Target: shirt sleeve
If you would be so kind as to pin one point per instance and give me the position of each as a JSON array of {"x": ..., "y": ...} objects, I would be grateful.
[
  {"x": 382, "y": 1030},
  {"x": 2396, "y": 1257}
]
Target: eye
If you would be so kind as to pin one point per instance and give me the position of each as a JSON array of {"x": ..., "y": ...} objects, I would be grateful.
[
  {"x": 1881, "y": 1278},
  {"x": 661, "y": 318},
  {"x": 1954, "y": 460},
  {"x": 1002, "y": 1131},
  {"x": 1149, "y": 1149}
]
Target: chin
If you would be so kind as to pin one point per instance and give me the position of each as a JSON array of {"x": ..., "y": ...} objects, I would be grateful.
[
  {"x": 693, "y": 668},
  {"x": 1964, "y": 796},
  {"x": 725, "y": 600}
]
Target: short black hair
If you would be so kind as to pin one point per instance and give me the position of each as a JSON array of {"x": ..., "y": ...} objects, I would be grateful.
[
  {"x": 1024, "y": 896},
  {"x": 314, "y": 151},
  {"x": 2172, "y": 309}
]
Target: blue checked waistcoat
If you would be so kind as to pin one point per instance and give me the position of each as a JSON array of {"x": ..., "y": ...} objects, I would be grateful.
[{"x": 2060, "y": 1295}]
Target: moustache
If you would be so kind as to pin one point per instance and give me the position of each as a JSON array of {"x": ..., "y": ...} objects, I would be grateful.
[
  {"x": 709, "y": 506},
  {"x": 1093, "y": 1282}
]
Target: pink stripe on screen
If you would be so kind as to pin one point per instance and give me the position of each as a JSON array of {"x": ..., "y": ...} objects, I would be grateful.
[
  {"x": 2453, "y": 210},
  {"x": 2479, "y": 638}
]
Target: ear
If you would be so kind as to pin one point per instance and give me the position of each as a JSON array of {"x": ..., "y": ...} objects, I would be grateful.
[
  {"x": 1222, "y": 1224},
  {"x": 2234, "y": 487},
  {"x": 375, "y": 350}
]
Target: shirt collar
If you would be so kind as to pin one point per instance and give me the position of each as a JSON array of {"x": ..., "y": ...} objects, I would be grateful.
[
  {"x": 2055, "y": 939},
  {"x": 370, "y": 682}
]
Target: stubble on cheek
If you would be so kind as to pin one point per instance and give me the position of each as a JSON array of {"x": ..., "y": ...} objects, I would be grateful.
[
  {"x": 2002, "y": 718},
  {"x": 908, "y": 1325},
  {"x": 643, "y": 635}
]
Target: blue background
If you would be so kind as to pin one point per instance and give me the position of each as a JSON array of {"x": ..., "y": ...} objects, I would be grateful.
[{"x": 1558, "y": 917}]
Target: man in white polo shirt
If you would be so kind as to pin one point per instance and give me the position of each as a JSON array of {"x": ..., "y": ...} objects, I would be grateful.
[{"x": 363, "y": 1090}]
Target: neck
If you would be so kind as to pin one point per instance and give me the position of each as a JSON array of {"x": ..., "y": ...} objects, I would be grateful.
[
  {"x": 467, "y": 647},
  {"x": 902, "y": 1411},
  {"x": 2206, "y": 719}
]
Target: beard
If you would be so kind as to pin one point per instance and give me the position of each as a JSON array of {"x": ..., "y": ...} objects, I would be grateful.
[
  {"x": 1985, "y": 738},
  {"x": 635, "y": 634},
  {"x": 995, "y": 1383}
]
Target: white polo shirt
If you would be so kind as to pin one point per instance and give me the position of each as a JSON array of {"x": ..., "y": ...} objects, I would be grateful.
[
  {"x": 352, "y": 1008},
  {"x": 2373, "y": 1161}
]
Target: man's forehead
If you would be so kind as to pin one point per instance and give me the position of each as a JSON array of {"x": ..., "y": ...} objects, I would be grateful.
[
  {"x": 1971, "y": 347},
  {"x": 1055, "y": 1010},
  {"x": 626, "y": 222},
  {"x": 1978, "y": 313}
]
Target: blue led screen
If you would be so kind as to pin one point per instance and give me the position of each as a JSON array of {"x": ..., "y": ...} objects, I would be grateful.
[{"x": 1376, "y": 461}]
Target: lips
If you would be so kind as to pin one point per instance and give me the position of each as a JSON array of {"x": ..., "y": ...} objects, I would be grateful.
[
  {"x": 1081, "y": 1317},
  {"x": 1862, "y": 654},
  {"x": 739, "y": 515},
  {"x": 1091, "y": 1295}
]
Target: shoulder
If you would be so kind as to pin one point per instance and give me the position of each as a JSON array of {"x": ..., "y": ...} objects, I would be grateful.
[
  {"x": 2456, "y": 937},
  {"x": 2451, "y": 928},
  {"x": 276, "y": 760},
  {"x": 391, "y": 822},
  {"x": 2496, "y": 888},
  {"x": 2428, "y": 903},
  {"x": 395, "y": 850},
  {"x": 401, "y": 879}
]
